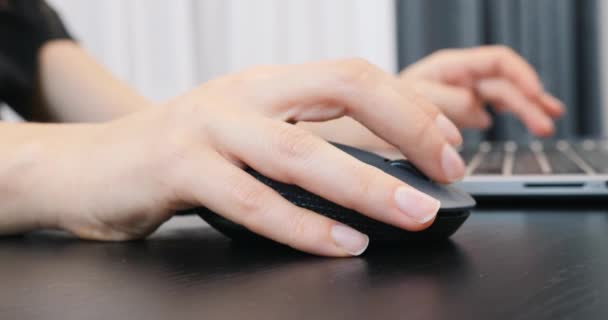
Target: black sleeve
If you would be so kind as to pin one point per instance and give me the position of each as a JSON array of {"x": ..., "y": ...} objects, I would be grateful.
[{"x": 25, "y": 25}]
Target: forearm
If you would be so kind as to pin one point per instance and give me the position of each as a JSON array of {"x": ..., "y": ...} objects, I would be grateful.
[
  {"x": 73, "y": 87},
  {"x": 34, "y": 174}
]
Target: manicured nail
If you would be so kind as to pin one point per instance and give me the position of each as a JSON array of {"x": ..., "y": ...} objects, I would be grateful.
[
  {"x": 417, "y": 205},
  {"x": 448, "y": 129},
  {"x": 351, "y": 240},
  {"x": 452, "y": 163}
]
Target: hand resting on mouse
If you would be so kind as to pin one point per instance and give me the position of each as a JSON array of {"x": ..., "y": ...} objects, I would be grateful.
[{"x": 120, "y": 180}]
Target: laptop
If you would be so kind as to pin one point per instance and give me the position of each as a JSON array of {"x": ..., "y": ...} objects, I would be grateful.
[{"x": 537, "y": 168}]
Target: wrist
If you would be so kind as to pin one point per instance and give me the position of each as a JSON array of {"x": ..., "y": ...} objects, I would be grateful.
[
  {"x": 110, "y": 172},
  {"x": 38, "y": 175}
]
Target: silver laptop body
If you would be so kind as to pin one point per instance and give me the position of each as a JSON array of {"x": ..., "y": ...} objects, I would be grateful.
[{"x": 549, "y": 168}]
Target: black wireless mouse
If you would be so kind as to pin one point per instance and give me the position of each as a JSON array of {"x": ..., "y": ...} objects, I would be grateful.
[{"x": 455, "y": 205}]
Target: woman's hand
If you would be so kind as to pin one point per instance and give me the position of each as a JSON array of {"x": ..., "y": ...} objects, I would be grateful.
[
  {"x": 462, "y": 81},
  {"x": 121, "y": 180}
]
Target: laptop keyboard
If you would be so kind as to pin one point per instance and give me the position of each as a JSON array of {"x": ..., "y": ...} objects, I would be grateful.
[
  {"x": 526, "y": 161},
  {"x": 537, "y": 158}
]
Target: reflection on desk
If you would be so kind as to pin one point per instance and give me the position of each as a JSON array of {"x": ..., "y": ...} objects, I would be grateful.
[{"x": 500, "y": 265}]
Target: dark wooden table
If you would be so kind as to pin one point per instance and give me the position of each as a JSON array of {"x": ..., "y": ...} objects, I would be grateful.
[{"x": 503, "y": 264}]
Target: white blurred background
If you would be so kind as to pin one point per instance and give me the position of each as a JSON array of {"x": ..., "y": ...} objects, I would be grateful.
[{"x": 165, "y": 47}]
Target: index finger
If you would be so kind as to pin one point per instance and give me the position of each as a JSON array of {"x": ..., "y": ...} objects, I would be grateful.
[{"x": 370, "y": 96}]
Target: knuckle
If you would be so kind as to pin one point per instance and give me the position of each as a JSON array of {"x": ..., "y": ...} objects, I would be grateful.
[
  {"x": 424, "y": 129},
  {"x": 505, "y": 52},
  {"x": 367, "y": 179},
  {"x": 355, "y": 71},
  {"x": 299, "y": 227},
  {"x": 441, "y": 53},
  {"x": 469, "y": 108},
  {"x": 294, "y": 144},
  {"x": 248, "y": 196},
  {"x": 430, "y": 108},
  {"x": 242, "y": 81},
  {"x": 357, "y": 64},
  {"x": 470, "y": 102}
]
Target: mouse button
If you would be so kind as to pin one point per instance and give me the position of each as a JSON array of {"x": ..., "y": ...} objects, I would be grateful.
[
  {"x": 461, "y": 199},
  {"x": 406, "y": 165},
  {"x": 451, "y": 198}
]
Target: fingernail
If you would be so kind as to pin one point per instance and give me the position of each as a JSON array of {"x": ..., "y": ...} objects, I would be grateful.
[
  {"x": 452, "y": 163},
  {"x": 417, "y": 205},
  {"x": 351, "y": 240},
  {"x": 448, "y": 129}
]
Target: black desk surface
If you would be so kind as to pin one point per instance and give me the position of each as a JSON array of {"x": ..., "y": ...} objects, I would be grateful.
[{"x": 516, "y": 264}]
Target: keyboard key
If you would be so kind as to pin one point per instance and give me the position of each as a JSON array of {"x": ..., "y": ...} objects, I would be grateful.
[
  {"x": 526, "y": 161},
  {"x": 559, "y": 162},
  {"x": 593, "y": 154},
  {"x": 491, "y": 162}
]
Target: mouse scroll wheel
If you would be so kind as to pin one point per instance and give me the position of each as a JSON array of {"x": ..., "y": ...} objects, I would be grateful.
[{"x": 406, "y": 165}]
